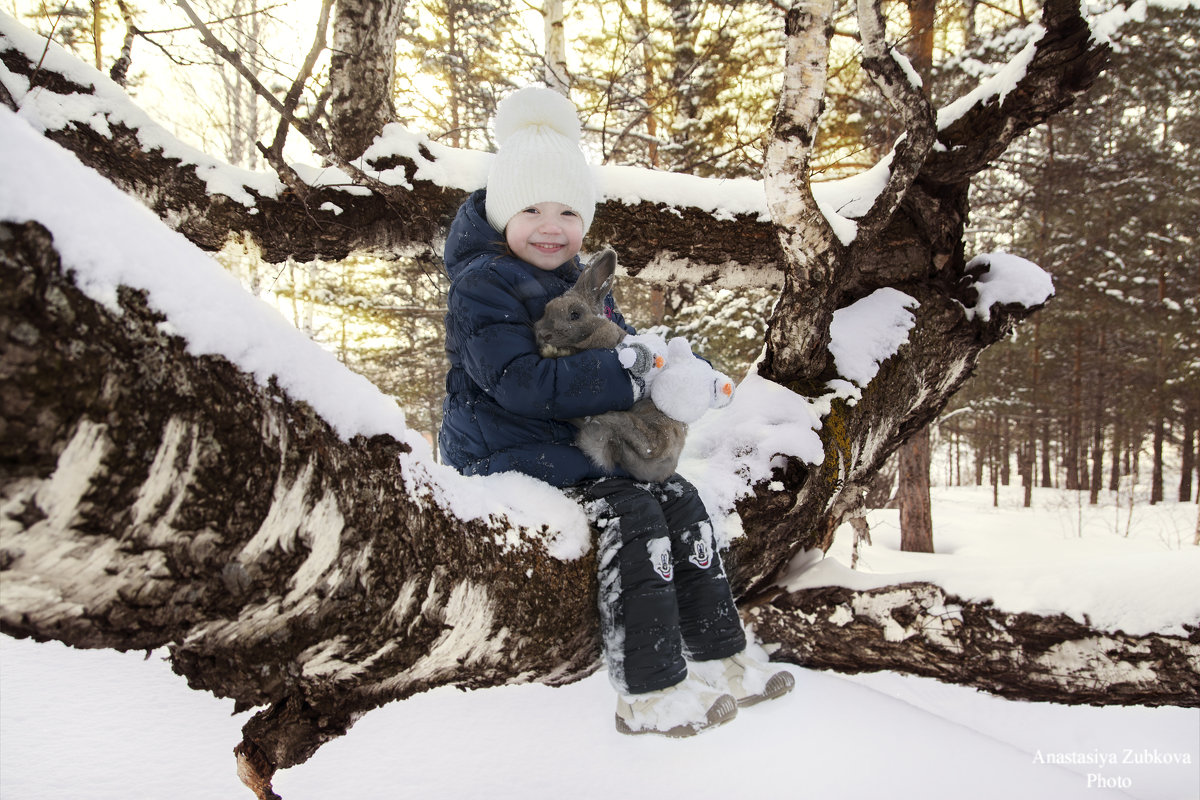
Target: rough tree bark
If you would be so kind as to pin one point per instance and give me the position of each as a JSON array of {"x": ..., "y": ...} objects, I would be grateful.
[
  {"x": 153, "y": 498},
  {"x": 935, "y": 634},
  {"x": 362, "y": 72},
  {"x": 916, "y": 517}
]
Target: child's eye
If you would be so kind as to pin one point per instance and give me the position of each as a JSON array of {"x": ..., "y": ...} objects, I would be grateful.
[{"x": 531, "y": 210}]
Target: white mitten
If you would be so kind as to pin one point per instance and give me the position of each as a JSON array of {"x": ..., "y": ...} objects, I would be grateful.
[
  {"x": 644, "y": 355},
  {"x": 689, "y": 386}
]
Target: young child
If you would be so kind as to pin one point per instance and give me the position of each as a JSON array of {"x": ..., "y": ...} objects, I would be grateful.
[{"x": 664, "y": 595}]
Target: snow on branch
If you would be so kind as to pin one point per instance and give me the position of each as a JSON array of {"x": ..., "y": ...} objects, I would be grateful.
[
  {"x": 869, "y": 331},
  {"x": 685, "y": 228},
  {"x": 205, "y": 306},
  {"x": 1006, "y": 279},
  {"x": 1059, "y": 62}
]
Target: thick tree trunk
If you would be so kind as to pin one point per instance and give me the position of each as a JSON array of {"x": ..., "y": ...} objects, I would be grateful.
[
  {"x": 916, "y": 517},
  {"x": 362, "y": 72},
  {"x": 555, "y": 39},
  {"x": 152, "y": 498},
  {"x": 1187, "y": 450},
  {"x": 1026, "y": 457},
  {"x": 1047, "y": 477},
  {"x": 1097, "y": 479},
  {"x": 1159, "y": 426}
]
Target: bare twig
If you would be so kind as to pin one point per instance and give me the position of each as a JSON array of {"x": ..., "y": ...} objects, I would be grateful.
[
  {"x": 312, "y": 133},
  {"x": 274, "y": 154},
  {"x": 218, "y": 47},
  {"x": 218, "y": 20},
  {"x": 46, "y": 48}
]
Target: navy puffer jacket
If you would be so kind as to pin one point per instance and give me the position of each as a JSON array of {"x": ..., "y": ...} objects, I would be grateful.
[{"x": 506, "y": 407}]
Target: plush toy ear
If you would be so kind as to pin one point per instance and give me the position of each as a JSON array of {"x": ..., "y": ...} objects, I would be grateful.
[
  {"x": 596, "y": 280},
  {"x": 679, "y": 350}
]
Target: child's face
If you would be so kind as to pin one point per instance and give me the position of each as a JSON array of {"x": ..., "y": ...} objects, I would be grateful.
[{"x": 546, "y": 235}]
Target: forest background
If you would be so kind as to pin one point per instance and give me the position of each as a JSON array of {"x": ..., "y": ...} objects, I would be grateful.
[{"x": 1105, "y": 197}]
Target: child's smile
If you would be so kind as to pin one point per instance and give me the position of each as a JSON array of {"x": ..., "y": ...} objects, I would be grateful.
[{"x": 546, "y": 235}]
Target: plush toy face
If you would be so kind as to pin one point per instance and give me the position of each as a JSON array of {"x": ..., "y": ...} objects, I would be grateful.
[{"x": 689, "y": 386}]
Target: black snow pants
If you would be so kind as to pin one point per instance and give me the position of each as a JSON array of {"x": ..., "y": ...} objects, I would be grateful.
[{"x": 664, "y": 595}]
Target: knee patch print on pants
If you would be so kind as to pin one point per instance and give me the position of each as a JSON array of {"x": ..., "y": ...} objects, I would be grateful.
[
  {"x": 661, "y": 560},
  {"x": 699, "y": 545}
]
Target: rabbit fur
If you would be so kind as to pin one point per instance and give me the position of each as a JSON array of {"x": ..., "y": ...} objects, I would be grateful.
[{"x": 643, "y": 440}]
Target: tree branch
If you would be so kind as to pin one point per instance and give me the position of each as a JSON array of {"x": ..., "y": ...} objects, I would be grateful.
[
  {"x": 217, "y": 46},
  {"x": 1064, "y": 63},
  {"x": 311, "y": 132},
  {"x": 920, "y": 629},
  {"x": 151, "y": 497},
  {"x": 900, "y": 85}
]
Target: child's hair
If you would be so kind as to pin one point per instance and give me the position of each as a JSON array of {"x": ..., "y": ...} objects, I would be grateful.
[{"x": 539, "y": 159}]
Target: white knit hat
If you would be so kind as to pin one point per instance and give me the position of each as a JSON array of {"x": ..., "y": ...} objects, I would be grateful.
[{"x": 539, "y": 159}]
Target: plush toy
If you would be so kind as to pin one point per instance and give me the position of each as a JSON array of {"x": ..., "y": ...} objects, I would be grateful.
[{"x": 688, "y": 386}]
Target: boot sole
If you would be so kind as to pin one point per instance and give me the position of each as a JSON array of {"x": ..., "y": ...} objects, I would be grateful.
[
  {"x": 778, "y": 685},
  {"x": 719, "y": 713}
]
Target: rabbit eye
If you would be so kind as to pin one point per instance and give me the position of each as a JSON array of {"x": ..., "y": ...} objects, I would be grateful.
[{"x": 575, "y": 315}]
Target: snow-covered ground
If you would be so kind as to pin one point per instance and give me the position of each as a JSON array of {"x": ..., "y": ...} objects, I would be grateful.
[{"x": 92, "y": 725}]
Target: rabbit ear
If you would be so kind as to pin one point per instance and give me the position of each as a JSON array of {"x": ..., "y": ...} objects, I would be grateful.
[{"x": 596, "y": 280}]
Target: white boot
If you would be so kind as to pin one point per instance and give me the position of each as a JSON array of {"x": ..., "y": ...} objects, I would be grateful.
[
  {"x": 684, "y": 709},
  {"x": 745, "y": 677}
]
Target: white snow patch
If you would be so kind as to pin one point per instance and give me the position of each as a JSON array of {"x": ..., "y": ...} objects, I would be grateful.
[
  {"x": 1138, "y": 584},
  {"x": 914, "y": 80},
  {"x": 530, "y": 506},
  {"x": 730, "y": 449},
  {"x": 846, "y": 200},
  {"x": 1008, "y": 279},
  {"x": 997, "y": 86},
  {"x": 869, "y": 331},
  {"x": 45, "y": 110}
]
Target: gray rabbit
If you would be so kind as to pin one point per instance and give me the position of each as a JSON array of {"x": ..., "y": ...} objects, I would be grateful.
[{"x": 643, "y": 440}]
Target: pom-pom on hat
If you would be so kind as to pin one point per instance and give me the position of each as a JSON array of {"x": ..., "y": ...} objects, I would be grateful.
[{"x": 539, "y": 160}]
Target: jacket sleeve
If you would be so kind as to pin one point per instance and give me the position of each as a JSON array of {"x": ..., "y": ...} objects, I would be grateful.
[{"x": 499, "y": 352}]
